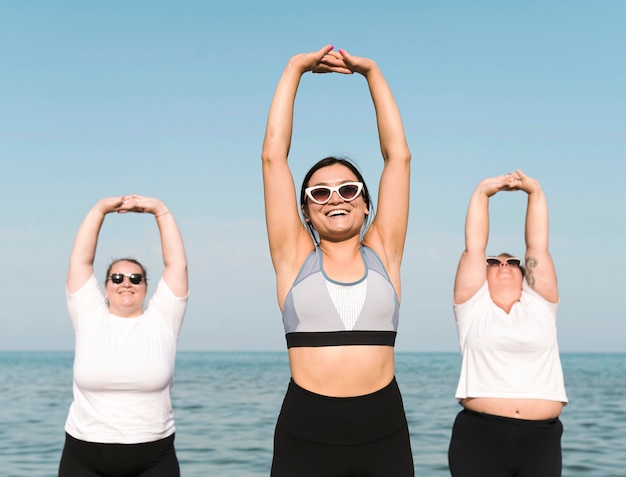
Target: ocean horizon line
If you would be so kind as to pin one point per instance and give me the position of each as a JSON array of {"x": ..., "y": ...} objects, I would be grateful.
[{"x": 266, "y": 351}]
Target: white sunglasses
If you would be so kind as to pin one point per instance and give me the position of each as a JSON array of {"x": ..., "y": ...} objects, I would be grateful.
[
  {"x": 496, "y": 261},
  {"x": 347, "y": 191}
]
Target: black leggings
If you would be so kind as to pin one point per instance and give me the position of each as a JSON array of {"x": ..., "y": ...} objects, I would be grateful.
[
  {"x": 355, "y": 436},
  {"x": 92, "y": 459},
  {"x": 484, "y": 445}
]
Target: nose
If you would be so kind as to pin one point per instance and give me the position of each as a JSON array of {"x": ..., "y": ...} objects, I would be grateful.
[{"x": 335, "y": 197}]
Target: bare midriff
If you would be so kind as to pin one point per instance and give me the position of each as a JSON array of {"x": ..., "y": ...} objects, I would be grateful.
[
  {"x": 530, "y": 409},
  {"x": 342, "y": 371}
]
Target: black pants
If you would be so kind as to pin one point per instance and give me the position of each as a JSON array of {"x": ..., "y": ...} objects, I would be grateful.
[
  {"x": 331, "y": 437},
  {"x": 92, "y": 459},
  {"x": 483, "y": 445}
]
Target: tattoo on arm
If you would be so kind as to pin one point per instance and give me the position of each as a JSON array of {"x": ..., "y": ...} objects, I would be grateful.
[{"x": 531, "y": 263}]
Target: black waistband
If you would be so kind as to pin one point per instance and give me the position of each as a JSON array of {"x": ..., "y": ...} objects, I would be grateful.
[
  {"x": 340, "y": 338},
  {"x": 342, "y": 420}
]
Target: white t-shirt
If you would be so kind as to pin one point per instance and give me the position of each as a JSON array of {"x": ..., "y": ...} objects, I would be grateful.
[
  {"x": 123, "y": 367},
  {"x": 514, "y": 355}
]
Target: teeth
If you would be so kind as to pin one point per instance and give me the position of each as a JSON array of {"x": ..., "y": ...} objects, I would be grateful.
[{"x": 335, "y": 212}]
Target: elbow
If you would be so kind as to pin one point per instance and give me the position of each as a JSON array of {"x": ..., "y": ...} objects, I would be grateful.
[
  {"x": 266, "y": 157},
  {"x": 400, "y": 154},
  {"x": 268, "y": 153}
]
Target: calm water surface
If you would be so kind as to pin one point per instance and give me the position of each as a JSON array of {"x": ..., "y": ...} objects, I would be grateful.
[{"x": 226, "y": 406}]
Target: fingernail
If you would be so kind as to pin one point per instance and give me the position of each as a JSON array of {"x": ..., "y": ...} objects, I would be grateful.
[
  {"x": 341, "y": 51},
  {"x": 331, "y": 47}
]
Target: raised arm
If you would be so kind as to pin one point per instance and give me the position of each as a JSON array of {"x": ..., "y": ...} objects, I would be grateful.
[
  {"x": 288, "y": 239},
  {"x": 172, "y": 247},
  {"x": 387, "y": 232},
  {"x": 540, "y": 271},
  {"x": 472, "y": 269},
  {"x": 86, "y": 240}
]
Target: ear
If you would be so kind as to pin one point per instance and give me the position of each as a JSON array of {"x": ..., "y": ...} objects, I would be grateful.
[{"x": 305, "y": 213}]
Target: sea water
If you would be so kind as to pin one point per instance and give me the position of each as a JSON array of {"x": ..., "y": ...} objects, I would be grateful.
[{"x": 226, "y": 404}]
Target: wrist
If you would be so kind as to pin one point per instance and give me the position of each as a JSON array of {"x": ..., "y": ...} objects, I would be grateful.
[
  {"x": 483, "y": 191},
  {"x": 101, "y": 211},
  {"x": 296, "y": 66},
  {"x": 370, "y": 70},
  {"x": 536, "y": 190}
]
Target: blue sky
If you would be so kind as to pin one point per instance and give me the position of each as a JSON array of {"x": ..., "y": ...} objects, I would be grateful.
[{"x": 169, "y": 99}]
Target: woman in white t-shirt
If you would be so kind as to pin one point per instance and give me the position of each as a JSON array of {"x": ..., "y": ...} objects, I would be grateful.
[
  {"x": 120, "y": 421},
  {"x": 511, "y": 384}
]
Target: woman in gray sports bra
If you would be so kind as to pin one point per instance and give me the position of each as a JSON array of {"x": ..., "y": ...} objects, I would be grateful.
[{"x": 338, "y": 287}]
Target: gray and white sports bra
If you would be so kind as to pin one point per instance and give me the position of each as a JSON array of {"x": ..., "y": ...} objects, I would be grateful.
[{"x": 319, "y": 311}]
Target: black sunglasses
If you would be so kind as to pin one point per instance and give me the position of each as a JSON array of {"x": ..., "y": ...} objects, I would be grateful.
[
  {"x": 135, "y": 278},
  {"x": 495, "y": 261}
]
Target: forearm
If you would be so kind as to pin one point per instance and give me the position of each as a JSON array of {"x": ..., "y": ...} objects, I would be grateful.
[
  {"x": 280, "y": 118},
  {"x": 537, "y": 223},
  {"x": 472, "y": 271},
  {"x": 477, "y": 222},
  {"x": 174, "y": 257},
  {"x": 84, "y": 249},
  {"x": 172, "y": 246},
  {"x": 390, "y": 129},
  {"x": 86, "y": 240}
]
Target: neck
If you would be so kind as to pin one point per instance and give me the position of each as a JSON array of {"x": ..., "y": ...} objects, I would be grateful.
[
  {"x": 124, "y": 313},
  {"x": 344, "y": 248},
  {"x": 505, "y": 295},
  {"x": 342, "y": 261}
]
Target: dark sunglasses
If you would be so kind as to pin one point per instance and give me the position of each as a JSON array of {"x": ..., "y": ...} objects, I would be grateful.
[
  {"x": 135, "y": 278},
  {"x": 321, "y": 194},
  {"x": 495, "y": 261}
]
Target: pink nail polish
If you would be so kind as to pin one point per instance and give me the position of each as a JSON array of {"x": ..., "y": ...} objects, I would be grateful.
[{"x": 341, "y": 51}]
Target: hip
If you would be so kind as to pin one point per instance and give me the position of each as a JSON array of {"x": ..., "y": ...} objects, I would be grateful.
[{"x": 342, "y": 420}]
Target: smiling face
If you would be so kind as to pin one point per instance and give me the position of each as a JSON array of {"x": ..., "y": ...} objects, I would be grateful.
[
  {"x": 126, "y": 299},
  {"x": 336, "y": 218}
]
